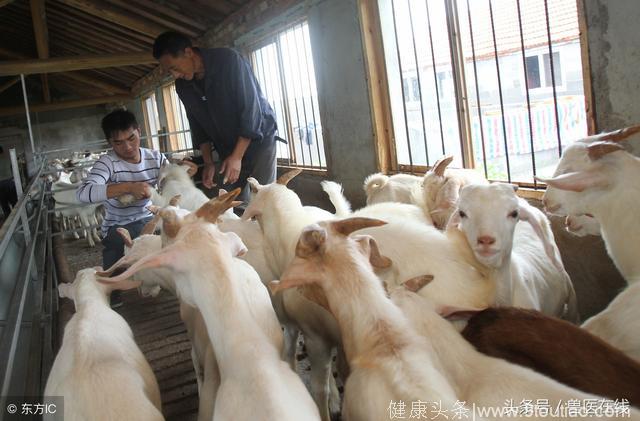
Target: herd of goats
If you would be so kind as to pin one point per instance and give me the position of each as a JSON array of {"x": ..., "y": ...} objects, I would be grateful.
[{"x": 445, "y": 297}]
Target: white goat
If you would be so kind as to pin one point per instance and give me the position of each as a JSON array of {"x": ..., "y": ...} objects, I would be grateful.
[
  {"x": 524, "y": 256},
  {"x": 574, "y": 157},
  {"x": 488, "y": 382},
  {"x": 68, "y": 206},
  {"x": 619, "y": 323},
  {"x": 396, "y": 188},
  {"x": 152, "y": 281},
  {"x": 237, "y": 311},
  {"x": 596, "y": 179},
  {"x": 388, "y": 360},
  {"x": 175, "y": 179},
  {"x": 101, "y": 372},
  {"x": 441, "y": 187}
]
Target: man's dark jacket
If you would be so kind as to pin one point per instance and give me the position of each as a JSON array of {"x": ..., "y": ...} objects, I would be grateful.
[{"x": 231, "y": 104}]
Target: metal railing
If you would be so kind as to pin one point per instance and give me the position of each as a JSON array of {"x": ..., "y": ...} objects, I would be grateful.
[{"x": 28, "y": 308}]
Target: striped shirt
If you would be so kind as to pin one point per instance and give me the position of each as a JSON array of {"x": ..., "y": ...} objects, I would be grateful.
[{"x": 111, "y": 169}]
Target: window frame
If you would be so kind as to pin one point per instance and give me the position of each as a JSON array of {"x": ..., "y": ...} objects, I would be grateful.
[
  {"x": 261, "y": 42},
  {"x": 384, "y": 132}
]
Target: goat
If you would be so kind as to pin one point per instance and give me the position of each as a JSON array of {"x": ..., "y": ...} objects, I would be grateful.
[
  {"x": 101, "y": 371},
  {"x": 388, "y": 361},
  {"x": 441, "y": 186},
  {"x": 556, "y": 349},
  {"x": 594, "y": 179},
  {"x": 237, "y": 311},
  {"x": 396, "y": 188},
  {"x": 524, "y": 256}
]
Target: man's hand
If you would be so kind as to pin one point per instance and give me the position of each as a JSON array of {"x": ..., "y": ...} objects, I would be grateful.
[
  {"x": 140, "y": 190},
  {"x": 208, "y": 172},
  {"x": 231, "y": 169}
]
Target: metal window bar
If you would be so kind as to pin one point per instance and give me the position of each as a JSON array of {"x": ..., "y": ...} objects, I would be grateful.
[
  {"x": 475, "y": 78},
  {"x": 296, "y": 32},
  {"x": 530, "y": 120},
  {"x": 553, "y": 78},
  {"x": 415, "y": 57},
  {"x": 284, "y": 39},
  {"x": 404, "y": 99},
  {"x": 504, "y": 124},
  {"x": 285, "y": 101},
  {"x": 435, "y": 76},
  {"x": 313, "y": 88}
]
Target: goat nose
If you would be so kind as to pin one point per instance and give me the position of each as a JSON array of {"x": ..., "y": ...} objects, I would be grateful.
[{"x": 486, "y": 240}]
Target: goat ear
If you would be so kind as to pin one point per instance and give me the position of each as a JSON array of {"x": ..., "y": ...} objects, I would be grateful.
[
  {"x": 250, "y": 212},
  {"x": 622, "y": 134},
  {"x": 123, "y": 261},
  {"x": 311, "y": 241},
  {"x": 416, "y": 283},
  {"x": 126, "y": 237},
  {"x": 540, "y": 225},
  {"x": 171, "y": 224},
  {"x": 454, "y": 220},
  {"x": 122, "y": 285},
  {"x": 254, "y": 185},
  {"x": 441, "y": 165},
  {"x": 578, "y": 181},
  {"x": 171, "y": 256},
  {"x": 192, "y": 167},
  {"x": 66, "y": 290},
  {"x": 597, "y": 150},
  {"x": 369, "y": 248},
  {"x": 175, "y": 200},
  {"x": 452, "y": 313},
  {"x": 288, "y": 176},
  {"x": 235, "y": 243},
  {"x": 150, "y": 227}
]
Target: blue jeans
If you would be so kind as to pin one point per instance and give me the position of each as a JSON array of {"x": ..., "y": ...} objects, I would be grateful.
[{"x": 114, "y": 244}]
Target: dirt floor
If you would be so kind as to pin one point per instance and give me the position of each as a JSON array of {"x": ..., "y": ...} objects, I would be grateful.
[{"x": 162, "y": 337}]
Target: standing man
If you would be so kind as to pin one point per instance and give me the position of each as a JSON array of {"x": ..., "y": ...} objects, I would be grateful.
[
  {"x": 126, "y": 169},
  {"x": 226, "y": 110}
]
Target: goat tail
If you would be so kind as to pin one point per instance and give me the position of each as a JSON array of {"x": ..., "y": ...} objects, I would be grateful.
[
  {"x": 334, "y": 191},
  {"x": 374, "y": 182}
]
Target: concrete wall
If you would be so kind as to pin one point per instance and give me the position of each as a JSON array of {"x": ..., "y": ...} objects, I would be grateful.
[{"x": 614, "y": 59}]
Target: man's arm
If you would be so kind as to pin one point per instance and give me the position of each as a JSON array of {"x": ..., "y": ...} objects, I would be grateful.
[
  {"x": 97, "y": 187},
  {"x": 201, "y": 140}
]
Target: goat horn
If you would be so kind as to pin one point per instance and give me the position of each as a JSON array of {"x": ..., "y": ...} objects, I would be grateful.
[
  {"x": 215, "y": 207},
  {"x": 286, "y": 177},
  {"x": 441, "y": 165},
  {"x": 621, "y": 134},
  {"x": 175, "y": 200},
  {"x": 347, "y": 226},
  {"x": 150, "y": 226},
  {"x": 193, "y": 167},
  {"x": 597, "y": 150}
]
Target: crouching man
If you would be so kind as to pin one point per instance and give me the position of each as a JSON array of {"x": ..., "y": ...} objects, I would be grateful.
[{"x": 125, "y": 169}]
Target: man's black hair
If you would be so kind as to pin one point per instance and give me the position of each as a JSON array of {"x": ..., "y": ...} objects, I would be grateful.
[
  {"x": 172, "y": 43},
  {"x": 118, "y": 121}
]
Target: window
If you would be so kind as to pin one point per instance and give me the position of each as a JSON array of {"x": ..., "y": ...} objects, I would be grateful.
[
  {"x": 486, "y": 93},
  {"x": 284, "y": 68},
  {"x": 152, "y": 121},
  {"x": 179, "y": 132}
]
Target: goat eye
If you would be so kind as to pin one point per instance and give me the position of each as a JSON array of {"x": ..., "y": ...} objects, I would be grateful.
[
  {"x": 513, "y": 214},
  {"x": 462, "y": 214}
]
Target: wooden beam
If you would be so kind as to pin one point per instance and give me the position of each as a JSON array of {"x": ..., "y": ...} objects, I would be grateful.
[
  {"x": 155, "y": 18},
  {"x": 175, "y": 14},
  {"x": 105, "y": 11},
  {"x": 105, "y": 86},
  {"x": 65, "y": 64},
  {"x": 9, "y": 84},
  {"x": 41, "y": 34},
  {"x": 62, "y": 105}
]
